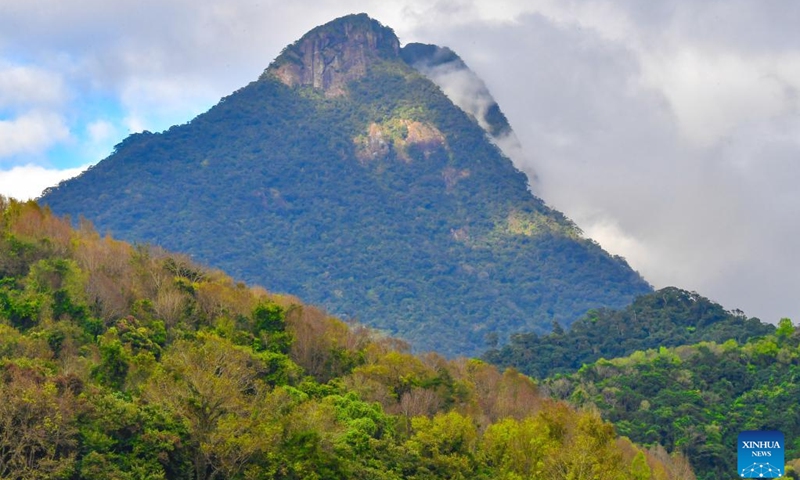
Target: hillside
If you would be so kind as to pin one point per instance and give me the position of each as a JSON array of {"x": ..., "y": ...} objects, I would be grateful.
[
  {"x": 666, "y": 318},
  {"x": 698, "y": 398},
  {"x": 347, "y": 178},
  {"x": 129, "y": 362}
]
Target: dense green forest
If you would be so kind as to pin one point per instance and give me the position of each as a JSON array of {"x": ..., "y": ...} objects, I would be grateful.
[
  {"x": 666, "y": 318},
  {"x": 130, "y": 362},
  {"x": 386, "y": 204},
  {"x": 698, "y": 398}
]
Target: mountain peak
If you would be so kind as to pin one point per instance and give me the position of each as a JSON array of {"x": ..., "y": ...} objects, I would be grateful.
[
  {"x": 331, "y": 55},
  {"x": 390, "y": 205}
]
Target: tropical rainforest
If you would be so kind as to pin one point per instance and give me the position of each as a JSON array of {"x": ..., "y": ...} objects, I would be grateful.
[
  {"x": 122, "y": 361},
  {"x": 357, "y": 185},
  {"x": 666, "y": 318},
  {"x": 698, "y": 398},
  {"x": 673, "y": 369},
  {"x": 347, "y": 179}
]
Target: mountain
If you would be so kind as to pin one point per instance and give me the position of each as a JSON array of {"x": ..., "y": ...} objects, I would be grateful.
[
  {"x": 123, "y": 362},
  {"x": 698, "y": 398},
  {"x": 442, "y": 66},
  {"x": 666, "y": 318},
  {"x": 346, "y": 177}
]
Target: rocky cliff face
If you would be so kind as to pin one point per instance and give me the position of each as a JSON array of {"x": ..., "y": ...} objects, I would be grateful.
[{"x": 330, "y": 56}]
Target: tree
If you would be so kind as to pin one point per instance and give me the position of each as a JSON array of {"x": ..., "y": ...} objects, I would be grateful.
[
  {"x": 639, "y": 468},
  {"x": 589, "y": 452},
  {"x": 785, "y": 328},
  {"x": 214, "y": 385},
  {"x": 38, "y": 438},
  {"x": 113, "y": 367},
  {"x": 518, "y": 447},
  {"x": 447, "y": 444}
]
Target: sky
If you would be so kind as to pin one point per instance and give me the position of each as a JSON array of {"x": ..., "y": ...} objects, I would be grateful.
[{"x": 668, "y": 130}]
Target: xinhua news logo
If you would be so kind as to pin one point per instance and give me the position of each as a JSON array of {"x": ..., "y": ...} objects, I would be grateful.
[{"x": 760, "y": 454}]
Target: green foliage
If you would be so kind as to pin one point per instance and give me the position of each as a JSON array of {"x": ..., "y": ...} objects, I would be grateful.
[
  {"x": 696, "y": 398},
  {"x": 519, "y": 449},
  {"x": 21, "y": 308},
  {"x": 125, "y": 439},
  {"x": 183, "y": 383},
  {"x": 785, "y": 329},
  {"x": 639, "y": 468},
  {"x": 113, "y": 367},
  {"x": 435, "y": 238},
  {"x": 666, "y": 318},
  {"x": 446, "y": 444},
  {"x": 37, "y": 426},
  {"x": 270, "y": 328}
]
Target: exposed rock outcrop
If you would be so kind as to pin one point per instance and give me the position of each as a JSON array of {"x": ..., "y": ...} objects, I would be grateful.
[
  {"x": 399, "y": 135},
  {"x": 330, "y": 56}
]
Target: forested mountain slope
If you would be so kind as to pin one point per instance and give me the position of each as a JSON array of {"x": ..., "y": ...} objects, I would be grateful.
[
  {"x": 129, "y": 362},
  {"x": 698, "y": 398},
  {"x": 346, "y": 177},
  {"x": 666, "y": 318}
]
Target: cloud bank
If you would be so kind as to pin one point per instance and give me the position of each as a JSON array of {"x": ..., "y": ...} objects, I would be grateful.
[
  {"x": 668, "y": 130},
  {"x": 28, "y": 181},
  {"x": 679, "y": 155}
]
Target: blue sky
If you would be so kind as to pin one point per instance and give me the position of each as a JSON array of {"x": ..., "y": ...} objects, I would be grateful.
[{"x": 669, "y": 130}]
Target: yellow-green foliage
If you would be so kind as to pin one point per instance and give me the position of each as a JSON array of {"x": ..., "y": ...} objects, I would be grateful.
[
  {"x": 531, "y": 224},
  {"x": 131, "y": 362}
]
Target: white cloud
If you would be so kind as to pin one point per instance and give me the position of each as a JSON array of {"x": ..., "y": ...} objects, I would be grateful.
[
  {"x": 29, "y": 86},
  {"x": 31, "y": 132},
  {"x": 155, "y": 103},
  {"x": 680, "y": 157},
  {"x": 712, "y": 92},
  {"x": 28, "y": 181},
  {"x": 100, "y": 138},
  {"x": 613, "y": 239},
  {"x": 101, "y": 131},
  {"x": 30, "y": 103},
  {"x": 464, "y": 88}
]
